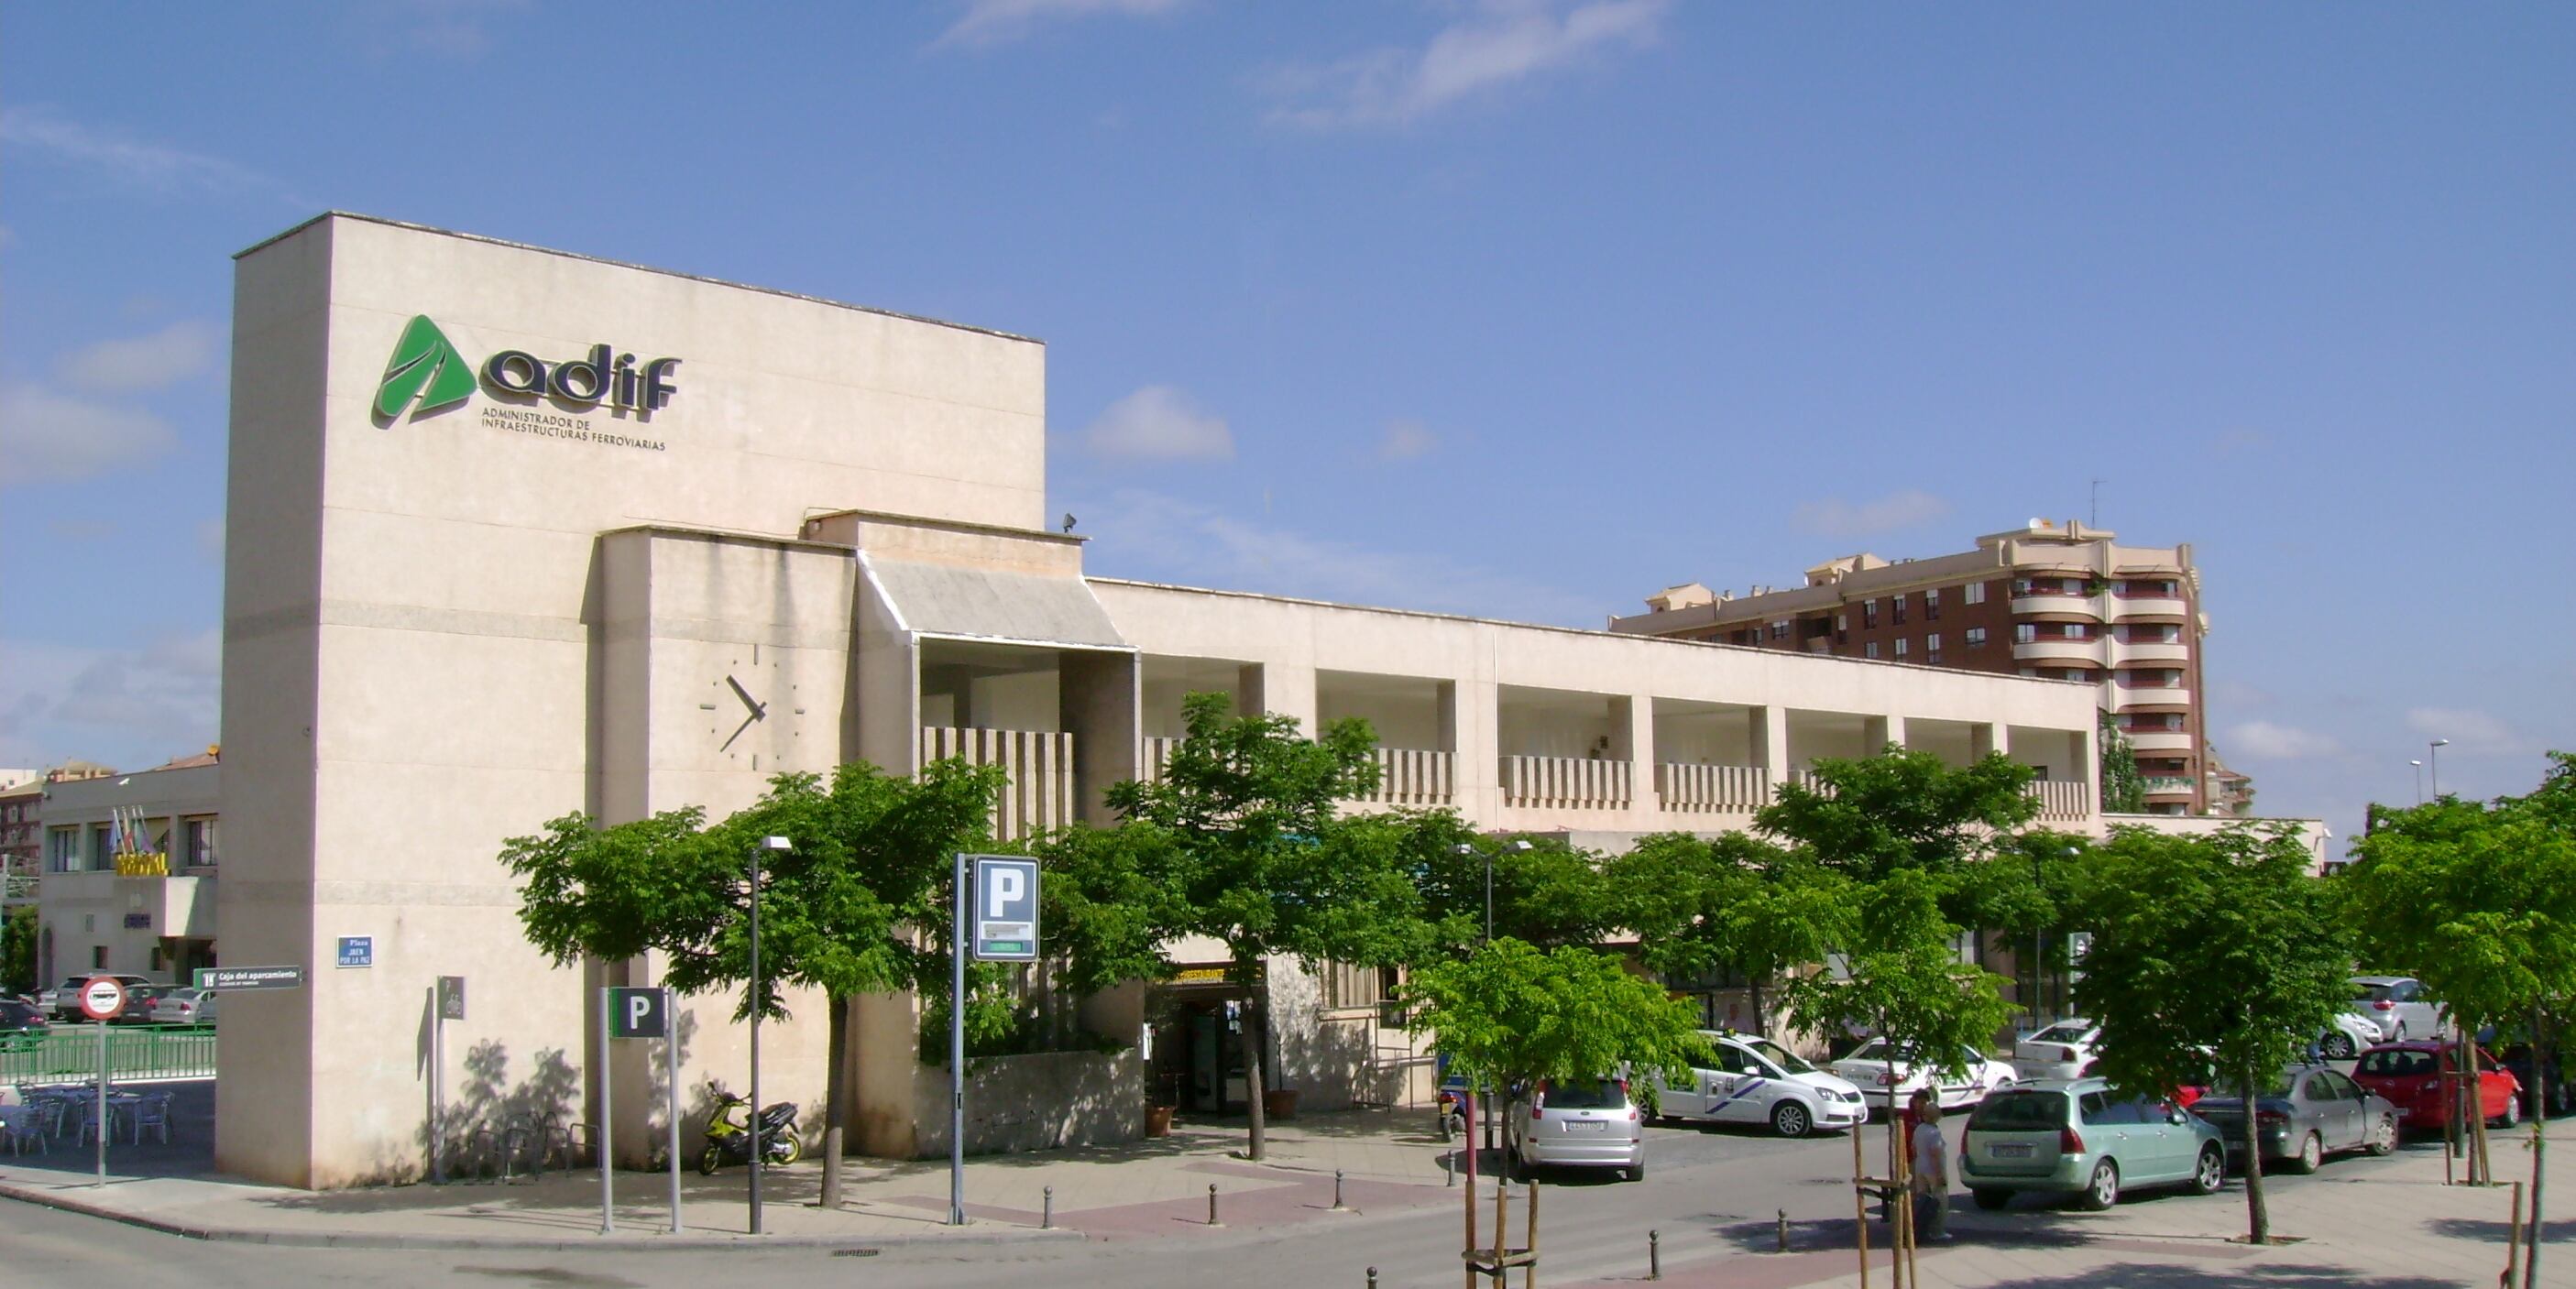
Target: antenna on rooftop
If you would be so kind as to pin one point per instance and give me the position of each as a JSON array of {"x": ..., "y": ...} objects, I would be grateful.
[{"x": 2093, "y": 518}]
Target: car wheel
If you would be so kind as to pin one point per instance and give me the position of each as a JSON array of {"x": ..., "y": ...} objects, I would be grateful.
[
  {"x": 2210, "y": 1173},
  {"x": 2400, "y": 1035},
  {"x": 1990, "y": 1199},
  {"x": 2103, "y": 1191},
  {"x": 2339, "y": 1046},
  {"x": 2312, "y": 1152},
  {"x": 2383, "y": 1136},
  {"x": 1791, "y": 1119},
  {"x": 1637, "y": 1170},
  {"x": 2512, "y": 1111}
]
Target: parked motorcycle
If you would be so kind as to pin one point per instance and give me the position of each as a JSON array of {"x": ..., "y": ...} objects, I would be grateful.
[
  {"x": 729, "y": 1132},
  {"x": 1453, "y": 1115}
]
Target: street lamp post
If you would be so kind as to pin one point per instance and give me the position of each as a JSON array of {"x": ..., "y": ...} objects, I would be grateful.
[
  {"x": 2419, "y": 781},
  {"x": 1520, "y": 846},
  {"x": 2434, "y": 749},
  {"x": 753, "y": 1115}
]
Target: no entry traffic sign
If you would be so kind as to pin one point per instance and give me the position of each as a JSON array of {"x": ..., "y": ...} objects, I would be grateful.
[{"x": 102, "y": 997}]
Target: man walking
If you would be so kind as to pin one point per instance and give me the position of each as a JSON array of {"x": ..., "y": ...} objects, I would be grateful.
[{"x": 1929, "y": 1160}]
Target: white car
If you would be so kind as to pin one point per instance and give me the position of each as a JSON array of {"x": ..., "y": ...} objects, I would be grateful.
[
  {"x": 2346, "y": 1035},
  {"x": 1759, "y": 1081},
  {"x": 1889, "y": 1079},
  {"x": 2396, "y": 1005},
  {"x": 2060, "y": 1051}
]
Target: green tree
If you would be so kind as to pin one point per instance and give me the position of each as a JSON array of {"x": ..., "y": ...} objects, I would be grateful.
[
  {"x": 859, "y": 905},
  {"x": 1512, "y": 1014},
  {"x": 2480, "y": 901},
  {"x": 1253, "y": 852},
  {"x": 1735, "y": 904},
  {"x": 2223, "y": 943},
  {"x": 2124, "y": 790},
  {"x": 18, "y": 951},
  {"x": 1901, "y": 809},
  {"x": 1544, "y": 892},
  {"x": 2026, "y": 892}
]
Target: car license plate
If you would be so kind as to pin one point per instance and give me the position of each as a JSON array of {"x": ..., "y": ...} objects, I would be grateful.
[
  {"x": 1586, "y": 1125},
  {"x": 2010, "y": 1150}
]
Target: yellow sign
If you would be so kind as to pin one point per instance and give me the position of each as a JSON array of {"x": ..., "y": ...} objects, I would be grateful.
[
  {"x": 143, "y": 863},
  {"x": 1199, "y": 976}
]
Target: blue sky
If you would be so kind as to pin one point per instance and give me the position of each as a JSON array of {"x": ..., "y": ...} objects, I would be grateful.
[{"x": 1516, "y": 308}]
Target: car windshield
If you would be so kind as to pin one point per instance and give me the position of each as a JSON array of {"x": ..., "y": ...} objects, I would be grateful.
[
  {"x": 2396, "y": 1063},
  {"x": 2020, "y": 1112},
  {"x": 2362, "y": 993},
  {"x": 2063, "y": 1032},
  {"x": 1780, "y": 1056},
  {"x": 1585, "y": 1094}
]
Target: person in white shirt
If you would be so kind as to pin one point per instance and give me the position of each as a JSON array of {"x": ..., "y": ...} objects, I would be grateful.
[{"x": 1930, "y": 1164}]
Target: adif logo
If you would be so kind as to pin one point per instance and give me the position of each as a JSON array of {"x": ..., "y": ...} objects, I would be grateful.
[{"x": 425, "y": 366}]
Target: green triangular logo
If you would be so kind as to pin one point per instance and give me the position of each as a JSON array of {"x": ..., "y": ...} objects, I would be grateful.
[{"x": 425, "y": 366}]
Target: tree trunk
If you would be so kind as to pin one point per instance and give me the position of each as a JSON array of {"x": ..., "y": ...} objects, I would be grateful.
[
  {"x": 2539, "y": 1146},
  {"x": 836, "y": 1094},
  {"x": 2474, "y": 1094},
  {"x": 1253, "y": 1008},
  {"x": 2258, "y": 1219},
  {"x": 1761, "y": 1019}
]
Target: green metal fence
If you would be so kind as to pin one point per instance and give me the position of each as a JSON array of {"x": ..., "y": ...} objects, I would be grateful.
[{"x": 135, "y": 1053}]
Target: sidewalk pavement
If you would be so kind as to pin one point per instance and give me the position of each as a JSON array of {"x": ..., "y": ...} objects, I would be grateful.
[
  {"x": 2392, "y": 1225},
  {"x": 1141, "y": 1189}
]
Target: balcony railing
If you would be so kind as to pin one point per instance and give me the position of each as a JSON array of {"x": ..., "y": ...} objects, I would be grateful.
[
  {"x": 1039, "y": 794},
  {"x": 1711, "y": 789},
  {"x": 2166, "y": 786},
  {"x": 2138, "y": 696},
  {"x": 2160, "y": 740},
  {"x": 1409, "y": 776},
  {"x": 1567, "y": 783},
  {"x": 2062, "y": 798}
]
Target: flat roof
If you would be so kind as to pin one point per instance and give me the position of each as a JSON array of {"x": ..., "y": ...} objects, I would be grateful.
[{"x": 266, "y": 242}]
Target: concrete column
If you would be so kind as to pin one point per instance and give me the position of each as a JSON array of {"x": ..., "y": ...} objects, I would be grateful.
[
  {"x": 1447, "y": 701},
  {"x": 1879, "y": 731},
  {"x": 1100, "y": 701},
  {"x": 1983, "y": 740},
  {"x": 1632, "y": 736},
  {"x": 1770, "y": 740},
  {"x": 881, "y": 716},
  {"x": 1478, "y": 727},
  {"x": 1250, "y": 699}
]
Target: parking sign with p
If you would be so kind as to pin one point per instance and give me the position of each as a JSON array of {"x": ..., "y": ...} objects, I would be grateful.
[
  {"x": 1006, "y": 909},
  {"x": 638, "y": 1012}
]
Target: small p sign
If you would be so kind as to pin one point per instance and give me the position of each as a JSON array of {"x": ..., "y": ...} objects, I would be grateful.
[
  {"x": 1006, "y": 909},
  {"x": 639, "y": 1012}
]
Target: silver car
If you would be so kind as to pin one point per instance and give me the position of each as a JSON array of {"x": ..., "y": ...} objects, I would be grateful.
[
  {"x": 184, "y": 1007},
  {"x": 2307, "y": 1113},
  {"x": 2396, "y": 1005},
  {"x": 1582, "y": 1123}
]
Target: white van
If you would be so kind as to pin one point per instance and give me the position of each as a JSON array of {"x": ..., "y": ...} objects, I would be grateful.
[{"x": 1759, "y": 1081}]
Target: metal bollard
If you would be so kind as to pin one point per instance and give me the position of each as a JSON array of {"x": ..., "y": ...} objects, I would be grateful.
[
  {"x": 1046, "y": 1215},
  {"x": 1337, "y": 1190},
  {"x": 1372, "y": 1278},
  {"x": 1450, "y": 1161},
  {"x": 1654, "y": 1255},
  {"x": 1212, "y": 1204},
  {"x": 1784, "y": 1231}
]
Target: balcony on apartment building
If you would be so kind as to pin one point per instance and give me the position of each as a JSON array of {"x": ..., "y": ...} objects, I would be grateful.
[
  {"x": 2059, "y": 649},
  {"x": 1564, "y": 750},
  {"x": 2160, "y": 740},
  {"x": 1020, "y": 708}
]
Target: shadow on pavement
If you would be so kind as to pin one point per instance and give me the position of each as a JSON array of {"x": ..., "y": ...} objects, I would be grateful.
[
  {"x": 2152, "y": 1275},
  {"x": 2466, "y": 1228}
]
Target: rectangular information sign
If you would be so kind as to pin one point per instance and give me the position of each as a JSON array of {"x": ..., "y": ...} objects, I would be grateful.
[
  {"x": 1006, "y": 909},
  {"x": 250, "y": 977}
]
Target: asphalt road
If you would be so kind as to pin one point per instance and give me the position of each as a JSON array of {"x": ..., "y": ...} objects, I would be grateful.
[{"x": 1707, "y": 1191}]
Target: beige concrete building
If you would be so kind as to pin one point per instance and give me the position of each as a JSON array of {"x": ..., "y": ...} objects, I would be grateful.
[
  {"x": 516, "y": 532},
  {"x": 130, "y": 867},
  {"x": 2057, "y": 600}
]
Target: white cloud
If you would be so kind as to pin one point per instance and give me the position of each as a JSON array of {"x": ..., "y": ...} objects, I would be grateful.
[
  {"x": 1835, "y": 517},
  {"x": 2281, "y": 742},
  {"x": 1406, "y": 441},
  {"x": 165, "y": 357},
  {"x": 47, "y": 437},
  {"x": 2469, "y": 730},
  {"x": 988, "y": 22},
  {"x": 124, "y": 157},
  {"x": 1498, "y": 43},
  {"x": 126, "y": 707},
  {"x": 1159, "y": 423},
  {"x": 1153, "y": 537}
]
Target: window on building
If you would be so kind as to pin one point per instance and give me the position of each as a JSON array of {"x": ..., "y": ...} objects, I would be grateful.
[
  {"x": 2024, "y": 632},
  {"x": 100, "y": 856},
  {"x": 1842, "y": 628},
  {"x": 2021, "y": 586},
  {"x": 1932, "y": 605},
  {"x": 62, "y": 850},
  {"x": 201, "y": 842},
  {"x": 1976, "y": 637},
  {"x": 1900, "y": 646},
  {"x": 2073, "y": 631},
  {"x": 1779, "y": 628},
  {"x": 98, "y": 957},
  {"x": 1932, "y": 643},
  {"x": 2030, "y": 671},
  {"x": 1870, "y": 650},
  {"x": 1900, "y": 611},
  {"x": 1869, "y": 615},
  {"x": 1974, "y": 594}
]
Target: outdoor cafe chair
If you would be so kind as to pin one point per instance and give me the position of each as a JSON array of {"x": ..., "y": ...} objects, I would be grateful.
[{"x": 20, "y": 1124}]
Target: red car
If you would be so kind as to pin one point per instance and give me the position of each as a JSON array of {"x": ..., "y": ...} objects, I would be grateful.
[{"x": 2413, "y": 1075}]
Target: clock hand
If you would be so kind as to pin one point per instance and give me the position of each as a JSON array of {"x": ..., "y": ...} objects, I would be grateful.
[
  {"x": 758, "y": 709},
  {"x": 738, "y": 729}
]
